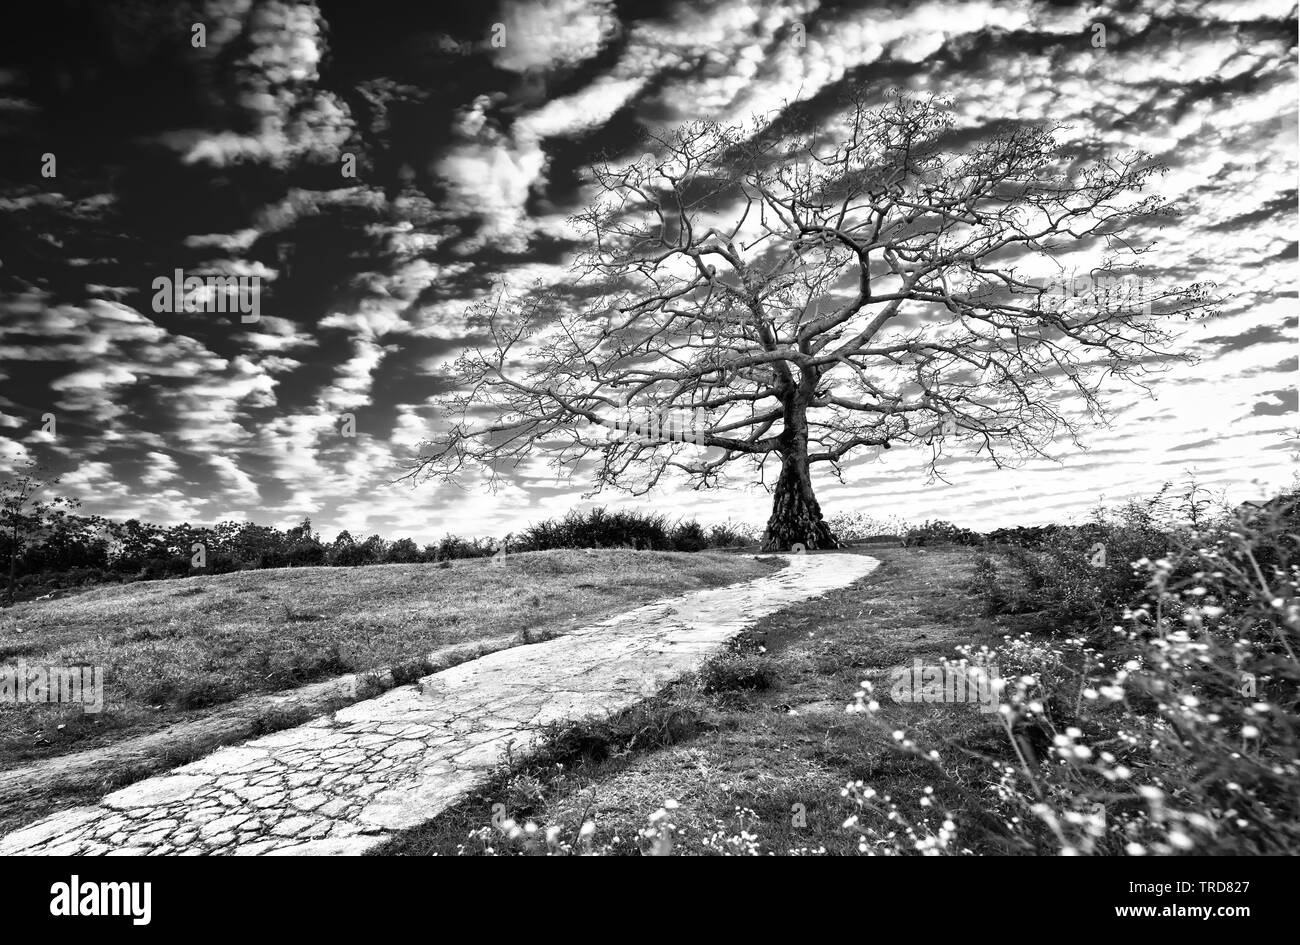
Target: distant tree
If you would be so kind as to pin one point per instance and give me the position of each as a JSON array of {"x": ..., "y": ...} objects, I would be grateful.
[
  {"x": 65, "y": 541},
  {"x": 300, "y": 532},
  {"x": 344, "y": 551},
  {"x": 25, "y": 516},
  {"x": 258, "y": 546},
  {"x": 137, "y": 544},
  {"x": 305, "y": 547},
  {"x": 402, "y": 551},
  {"x": 372, "y": 550}
]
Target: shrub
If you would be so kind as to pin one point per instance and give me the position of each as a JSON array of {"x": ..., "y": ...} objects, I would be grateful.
[
  {"x": 1177, "y": 735},
  {"x": 454, "y": 546},
  {"x": 1023, "y": 536},
  {"x": 857, "y": 526},
  {"x": 402, "y": 551},
  {"x": 1074, "y": 576},
  {"x": 599, "y": 528},
  {"x": 737, "y": 671},
  {"x": 688, "y": 536},
  {"x": 657, "y": 722},
  {"x": 307, "y": 553},
  {"x": 729, "y": 535},
  {"x": 940, "y": 533},
  {"x": 346, "y": 553}
]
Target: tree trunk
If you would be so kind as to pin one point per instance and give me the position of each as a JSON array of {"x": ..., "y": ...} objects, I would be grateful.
[
  {"x": 13, "y": 559},
  {"x": 796, "y": 515}
]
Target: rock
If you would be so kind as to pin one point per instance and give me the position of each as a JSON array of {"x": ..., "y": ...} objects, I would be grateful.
[
  {"x": 330, "y": 846},
  {"x": 222, "y": 825},
  {"x": 154, "y": 792},
  {"x": 310, "y": 801},
  {"x": 292, "y": 826},
  {"x": 48, "y": 829}
]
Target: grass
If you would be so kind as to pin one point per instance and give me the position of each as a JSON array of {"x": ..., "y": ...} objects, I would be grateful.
[
  {"x": 173, "y": 650},
  {"x": 756, "y": 749}
]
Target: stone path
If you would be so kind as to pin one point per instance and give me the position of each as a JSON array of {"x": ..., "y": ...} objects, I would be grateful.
[{"x": 341, "y": 784}]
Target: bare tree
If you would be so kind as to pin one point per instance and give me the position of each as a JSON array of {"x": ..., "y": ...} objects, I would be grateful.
[{"x": 794, "y": 300}]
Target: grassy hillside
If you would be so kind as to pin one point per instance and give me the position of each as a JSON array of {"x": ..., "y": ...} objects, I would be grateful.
[{"x": 171, "y": 649}]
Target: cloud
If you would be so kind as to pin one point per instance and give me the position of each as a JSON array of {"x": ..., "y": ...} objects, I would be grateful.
[
  {"x": 491, "y": 174},
  {"x": 240, "y": 488},
  {"x": 544, "y": 34},
  {"x": 161, "y": 469},
  {"x": 292, "y": 120},
  {"x": 1286, "y": 403}
]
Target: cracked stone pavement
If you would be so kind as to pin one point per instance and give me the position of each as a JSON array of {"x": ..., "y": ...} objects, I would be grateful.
[{"x": 342, "y": 783}]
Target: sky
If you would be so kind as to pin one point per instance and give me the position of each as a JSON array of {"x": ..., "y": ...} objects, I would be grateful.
[{"x": 139, "y": 138}]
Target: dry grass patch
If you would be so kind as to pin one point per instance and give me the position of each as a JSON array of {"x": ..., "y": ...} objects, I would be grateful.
[{"x": 171, "y": 650}]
